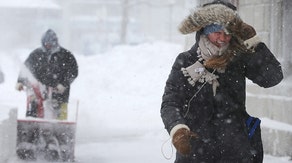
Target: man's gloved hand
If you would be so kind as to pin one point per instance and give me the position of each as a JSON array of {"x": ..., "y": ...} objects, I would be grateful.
[
  {"x": 60, "y": 88},
  {"x": 181, "y": 140},
  {"x": 19, "y": 86}
]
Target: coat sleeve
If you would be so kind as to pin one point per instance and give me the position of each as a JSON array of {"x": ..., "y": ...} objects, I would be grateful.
[
  {"x": 263, "y": 68},
  {"x": 174, "y": 96},
  {"x": 35, "y": 64},
  {"x": 71, "y": 70},
  {"x": 64, "y": 71}
]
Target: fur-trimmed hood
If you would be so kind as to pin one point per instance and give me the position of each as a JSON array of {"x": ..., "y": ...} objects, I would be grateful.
[{"x": 203, "y": 16}]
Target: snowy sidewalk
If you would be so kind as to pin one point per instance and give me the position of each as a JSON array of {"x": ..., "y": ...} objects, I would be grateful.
[{"x": 144, "y": 149}]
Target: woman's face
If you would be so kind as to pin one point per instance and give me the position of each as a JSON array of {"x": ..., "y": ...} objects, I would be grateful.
[{"x": 219, "y": 38}]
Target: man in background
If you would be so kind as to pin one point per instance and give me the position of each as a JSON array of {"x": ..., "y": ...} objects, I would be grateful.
[{"x": 53, "y": 68}]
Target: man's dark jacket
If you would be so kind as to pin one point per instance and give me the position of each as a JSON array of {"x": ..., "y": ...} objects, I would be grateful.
[{"x": 59, "y": 67}]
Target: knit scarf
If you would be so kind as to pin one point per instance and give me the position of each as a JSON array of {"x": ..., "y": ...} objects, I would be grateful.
[
  {"x": 208, "y": 50},
  {"x": 197, "y": 71}
]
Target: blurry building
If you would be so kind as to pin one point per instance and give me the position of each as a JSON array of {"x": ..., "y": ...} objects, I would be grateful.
[
  {"x": 22, "y": 22},
  {"x": 96, "y": 25},
  {"x": 91, "y": 26}
]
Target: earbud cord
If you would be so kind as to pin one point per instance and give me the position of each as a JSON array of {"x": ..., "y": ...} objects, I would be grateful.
[
  {"x": 189, "y": 103},
  {"x": 168, "y": 158}
]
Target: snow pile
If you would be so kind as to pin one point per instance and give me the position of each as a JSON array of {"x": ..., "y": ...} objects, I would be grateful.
[{"x": 121, "y": 90}]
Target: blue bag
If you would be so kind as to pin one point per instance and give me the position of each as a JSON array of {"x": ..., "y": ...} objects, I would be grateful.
[{"x": 252, "y": 123}]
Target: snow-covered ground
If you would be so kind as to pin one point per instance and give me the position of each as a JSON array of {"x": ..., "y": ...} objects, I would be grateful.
[{"x": 119, "y": 94}]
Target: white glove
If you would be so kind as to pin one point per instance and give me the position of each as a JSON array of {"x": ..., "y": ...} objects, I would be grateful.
[
  {"x": 60, "y": 88},
  {"x": 19, "y": 86}
]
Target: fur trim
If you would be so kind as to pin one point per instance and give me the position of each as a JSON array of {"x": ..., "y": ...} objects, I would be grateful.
[
  {"x": 203, "y": 16},
  {"x": 177, "y": 127}
]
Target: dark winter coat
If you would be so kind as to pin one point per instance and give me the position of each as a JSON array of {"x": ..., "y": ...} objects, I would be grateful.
[
  {"x": 219, "y": 120},
  {"x": 59, "y": 67}
]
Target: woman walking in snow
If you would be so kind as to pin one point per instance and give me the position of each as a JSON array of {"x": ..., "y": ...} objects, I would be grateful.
[{"x": 203, "y": 106}]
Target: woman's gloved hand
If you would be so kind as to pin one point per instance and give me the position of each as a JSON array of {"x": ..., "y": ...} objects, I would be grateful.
[
  {"x": 245, "y": 33},
  {"x": 181, "y": 140}
]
